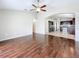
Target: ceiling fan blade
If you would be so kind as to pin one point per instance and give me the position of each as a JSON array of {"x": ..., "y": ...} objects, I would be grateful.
[
  {"x": 34, "y": 6},
  {"x": 43, "y": 6},
  {"x": 43, "y": 10},
  {"x": 25, "y": 9},
  {"x": 32, "y": 9},
  {"x": 37, "y": 0}
]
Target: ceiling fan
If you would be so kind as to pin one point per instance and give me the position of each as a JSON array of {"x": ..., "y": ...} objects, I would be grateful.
[{"x": 38, "y": 8}]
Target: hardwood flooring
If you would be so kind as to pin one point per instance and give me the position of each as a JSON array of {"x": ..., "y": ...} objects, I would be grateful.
[{"x": 38, "y": 46}]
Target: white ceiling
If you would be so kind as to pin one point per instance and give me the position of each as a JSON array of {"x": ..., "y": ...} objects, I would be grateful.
[{"x": 27, "y": 4}]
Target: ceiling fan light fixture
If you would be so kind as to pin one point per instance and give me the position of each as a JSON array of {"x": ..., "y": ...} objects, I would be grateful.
[{"x": 38, "y": 9}]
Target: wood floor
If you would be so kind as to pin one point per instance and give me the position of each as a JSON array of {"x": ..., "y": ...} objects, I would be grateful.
[{"x": 38, "y": 46}]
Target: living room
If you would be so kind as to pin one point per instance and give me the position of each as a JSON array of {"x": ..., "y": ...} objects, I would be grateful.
[{"x": 24, "y": 24}]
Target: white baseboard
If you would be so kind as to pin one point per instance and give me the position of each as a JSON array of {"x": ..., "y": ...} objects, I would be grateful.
[{"x": 13, "y": 37}]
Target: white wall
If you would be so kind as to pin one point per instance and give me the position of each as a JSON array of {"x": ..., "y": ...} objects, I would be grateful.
[
  {"x": 40, "y": 25},
  {"x": 15, "y": 24},
  {"x": 77, "y": 26}
]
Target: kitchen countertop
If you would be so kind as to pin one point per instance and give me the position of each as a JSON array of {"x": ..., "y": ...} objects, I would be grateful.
[{"x": 60, "y": 34}]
